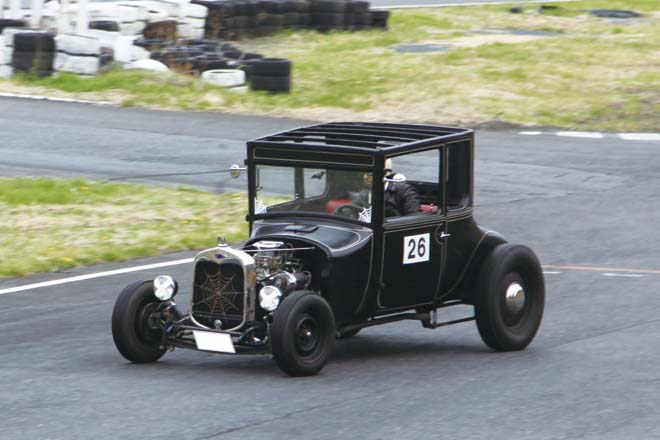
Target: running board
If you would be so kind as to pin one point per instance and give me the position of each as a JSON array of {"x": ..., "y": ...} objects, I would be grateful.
[{"x": 428, "y": 319}]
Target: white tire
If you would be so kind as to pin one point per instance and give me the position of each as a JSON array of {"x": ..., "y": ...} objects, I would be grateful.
[
  {"x": 185, "y": 31},
  {"x": 192, "y": 22},
  {"x": 157, "y": 15},
  {"x": 171, "y": 7},
  {"x": 132, "y": 28},
  {"x": 6, "y": 71},
  {"x": 140, "y": 12},
  {"x": 6, "y": 53},
  {"x": 78, "y": 44},
  {"x": 82, "y": 65},
  {"x": 117, "y": 12},
  {"x": 8, "y": 34},
  {"x": 156, "y": 10},
  {"x": 224, "y": 77},
  {"x": 139, "y": 53},
  {"x": 106, "y": 38},
  {"x": 193, "y": 11},
  {"x": 153, "y": 65}
]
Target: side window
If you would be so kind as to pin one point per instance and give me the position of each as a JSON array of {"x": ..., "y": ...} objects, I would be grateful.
[
  {"x": 415, "y": 186},
  {"x": 457, "y": 175},
  {"x": 315, "y": 182}
]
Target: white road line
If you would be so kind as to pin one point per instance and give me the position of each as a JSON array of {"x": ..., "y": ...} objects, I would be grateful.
[
  {"x": 580, "y": 134},
  {"x": 448, "y": 5},
  {"x": 95, "y": 275},
  {"x": 623, "y": 275},
  {"x": 595, "y": 135},
  {"x": 551, "y": 272},
  {"x": 48, "y": 98},
  {"x": 640, "y": 136}
]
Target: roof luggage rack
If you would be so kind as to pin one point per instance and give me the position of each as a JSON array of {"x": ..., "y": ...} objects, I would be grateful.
[{"x": 371, "y": 135}]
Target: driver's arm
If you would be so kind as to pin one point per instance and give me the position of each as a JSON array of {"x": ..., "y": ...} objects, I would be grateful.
[{"x": 408, "y": 200}]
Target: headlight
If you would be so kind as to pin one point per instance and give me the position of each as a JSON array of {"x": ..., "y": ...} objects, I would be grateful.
[
  {"x": 165, "y": 287},
  {"x": 269, "y": 298}
]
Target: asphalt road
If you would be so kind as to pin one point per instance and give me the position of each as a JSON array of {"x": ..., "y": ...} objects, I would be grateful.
[{"x": 581, "y": 204}]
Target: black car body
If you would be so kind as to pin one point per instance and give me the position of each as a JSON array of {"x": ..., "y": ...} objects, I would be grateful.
[{"x": 324, "y": 261}]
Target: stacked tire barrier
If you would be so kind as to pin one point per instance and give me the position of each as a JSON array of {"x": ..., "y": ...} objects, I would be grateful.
[
  {"x": 329, "y": 15},
  {"x": 7, "y": 45},
  {"x": 78, "y": 54},
  {"x": 379, "y": 19},
  {"x": 271, "y": 75},
  {"x": 130, "y": 17},
  {"x": 161, "y": 30},
  {"x": 198, "y": 56},
  {"x": 234, "y": 20},
  {"x": 104, "y": 25},
  {"x": 188, "y": 36},
  {"x": 34, "y": 52}
]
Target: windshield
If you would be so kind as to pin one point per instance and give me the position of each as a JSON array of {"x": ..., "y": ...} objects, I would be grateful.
[{"x": 325, "y": 191}]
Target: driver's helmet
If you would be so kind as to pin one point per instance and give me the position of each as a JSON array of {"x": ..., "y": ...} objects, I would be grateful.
[{"x": 389, "y": 174}]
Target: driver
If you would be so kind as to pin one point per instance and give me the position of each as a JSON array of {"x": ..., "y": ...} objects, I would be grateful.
[{"x": 400, "y": 197}]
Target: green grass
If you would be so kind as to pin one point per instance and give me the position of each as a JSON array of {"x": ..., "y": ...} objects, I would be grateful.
[
  {"x": 48, "y": 225},
  {"x": 597, "y": 74}
]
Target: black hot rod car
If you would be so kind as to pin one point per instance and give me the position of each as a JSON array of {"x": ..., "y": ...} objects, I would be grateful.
[{"x": 329, "y": 253}]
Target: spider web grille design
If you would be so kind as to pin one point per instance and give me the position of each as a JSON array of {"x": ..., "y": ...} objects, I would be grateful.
[{"x": 218, "y": 293}]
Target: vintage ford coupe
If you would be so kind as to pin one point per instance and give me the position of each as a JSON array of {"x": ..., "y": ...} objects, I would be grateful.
[{"x": 329, "y": 253}]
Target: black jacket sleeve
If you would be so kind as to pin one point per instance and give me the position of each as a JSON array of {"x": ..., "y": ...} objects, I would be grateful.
[{"x": 407, "y": 199}]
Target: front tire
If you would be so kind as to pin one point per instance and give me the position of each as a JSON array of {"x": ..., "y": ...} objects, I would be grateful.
[
  {"x": 134, "y": 335},
  {"x": 302, "y": 334},
  {"x": 510, "y": 297}
]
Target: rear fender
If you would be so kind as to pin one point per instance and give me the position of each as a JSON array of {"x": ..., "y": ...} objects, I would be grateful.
[{"x": 467, "y": 286}]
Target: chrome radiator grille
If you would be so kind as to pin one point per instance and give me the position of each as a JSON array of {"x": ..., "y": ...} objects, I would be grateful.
[{"x": 218, "y": 294}]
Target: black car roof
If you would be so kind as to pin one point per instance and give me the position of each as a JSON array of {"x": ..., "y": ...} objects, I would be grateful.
[{"x": 371, "y": 137}]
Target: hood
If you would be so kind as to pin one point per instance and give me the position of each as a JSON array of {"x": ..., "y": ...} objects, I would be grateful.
[{"x": 335, "y": 237}]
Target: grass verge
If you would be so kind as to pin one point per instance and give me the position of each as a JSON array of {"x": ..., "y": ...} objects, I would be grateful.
[
  {"x": 593, "y": 73},
  {"x": 48, "y": 225}
]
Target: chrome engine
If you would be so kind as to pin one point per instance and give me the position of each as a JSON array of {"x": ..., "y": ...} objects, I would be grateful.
[{"x": 275, "y": 265}]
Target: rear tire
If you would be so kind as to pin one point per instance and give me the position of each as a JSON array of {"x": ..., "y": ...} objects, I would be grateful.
[
  {"x": 510, "y": 297},
  {"x": 133, "y": 336},
  {"x": 302, "y": 334}
]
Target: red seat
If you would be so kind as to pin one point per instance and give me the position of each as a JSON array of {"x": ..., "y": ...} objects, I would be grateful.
[{"x": 334, "y": 204}]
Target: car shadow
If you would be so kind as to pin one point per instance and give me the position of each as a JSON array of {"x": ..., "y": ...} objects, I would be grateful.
[
  {"x": 356, "y": 350},
  {"x": 366, "y": 347}
]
